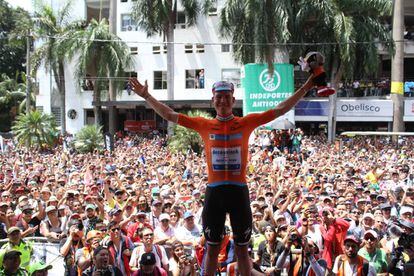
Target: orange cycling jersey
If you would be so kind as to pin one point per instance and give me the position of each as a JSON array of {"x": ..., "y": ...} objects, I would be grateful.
[{"x": 226, "y": 144}]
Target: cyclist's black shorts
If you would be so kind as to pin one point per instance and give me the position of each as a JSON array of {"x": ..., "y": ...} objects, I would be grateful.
[{"x": 233, "y": 200}]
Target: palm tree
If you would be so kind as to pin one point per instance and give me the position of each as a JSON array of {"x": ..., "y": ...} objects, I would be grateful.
[
  {"x": 158, "y": 17},
  {"x": 51, "y": 25},
  {"x": 337, "y": 23},
  {"x": 35, "y": 130},
  {"x": 185, "y": 138},
  {"x": 100, "y": 53},
  {"x": 88, "y": 139}
]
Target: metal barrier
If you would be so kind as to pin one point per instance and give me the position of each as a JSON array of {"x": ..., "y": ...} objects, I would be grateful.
[{"x": 46, "y": 251}]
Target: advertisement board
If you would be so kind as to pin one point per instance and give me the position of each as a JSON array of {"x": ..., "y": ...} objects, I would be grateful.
[
  {"x": 364, "y": 108},
  {"x": 409, "y": 108},
  {"x": 263, "y": 91},
  {"x": 139, "y": 126}
]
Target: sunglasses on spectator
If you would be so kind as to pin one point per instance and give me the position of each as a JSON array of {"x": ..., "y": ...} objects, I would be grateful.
[
  {"x": 356, "y": 212},
  {"x": 148, "y": 235},
  {"x": 113, "y": 230},
  {"x": 28, "y": 212},
  {"x": 370, "y": 239},
  {"x": 5, "y": 196}
]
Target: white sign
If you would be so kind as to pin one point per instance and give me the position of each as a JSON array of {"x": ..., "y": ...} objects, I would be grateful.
[
  {"x": 409, "y": 108},
  {"x": 371, "y": 108}
]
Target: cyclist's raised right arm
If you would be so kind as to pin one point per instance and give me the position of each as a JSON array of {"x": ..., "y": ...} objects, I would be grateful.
[{"x": 163, "y": 110}]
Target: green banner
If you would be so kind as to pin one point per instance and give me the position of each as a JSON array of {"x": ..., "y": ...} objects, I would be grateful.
[{"x": 263, "y": 91}]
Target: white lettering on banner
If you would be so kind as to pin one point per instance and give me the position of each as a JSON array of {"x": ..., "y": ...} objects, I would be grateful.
[
  {"x": 354, "y": 108},
  {"x": 259, "y": 96},
  {"x": 226, "y": 159},
  {"x": 265, "y": 104}
]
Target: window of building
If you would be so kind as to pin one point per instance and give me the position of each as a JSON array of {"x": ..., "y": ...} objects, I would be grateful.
[
  {"x": 180, "y": 20},
  {"x": 194, "y": 79},
  {"x": 213, "y": 8},
  {"x": 127, "y": 23},
  {"x": 160, "y": 79},
  {"x": 156, "y": 49},
  {"x": 199, "y": 48},
  {"x": 188, "y": 48},
  {"x": 165, "y": 49},
  {"x": 124, "y": 1},
  {"x": 134, "y": 50},
  {"x": 225, "y": 48},
  {"x": 231, "y": 75}
]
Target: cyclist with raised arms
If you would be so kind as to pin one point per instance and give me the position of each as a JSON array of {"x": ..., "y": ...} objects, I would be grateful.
[{"x": 226, "y": 146}]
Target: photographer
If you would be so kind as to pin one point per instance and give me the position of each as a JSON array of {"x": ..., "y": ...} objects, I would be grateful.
[
  {"x": 402, "y": 255},
  {"x": 308, "y": 259},
  {"x": 180, "y": 263},
  {"x": 69, "y": 245}
]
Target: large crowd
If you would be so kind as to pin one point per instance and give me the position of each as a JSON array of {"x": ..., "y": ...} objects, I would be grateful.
[{"x": 316, "y": 207}]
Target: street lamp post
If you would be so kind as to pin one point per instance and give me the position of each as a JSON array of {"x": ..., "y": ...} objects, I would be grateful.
[{"x": 28, "y": 68}]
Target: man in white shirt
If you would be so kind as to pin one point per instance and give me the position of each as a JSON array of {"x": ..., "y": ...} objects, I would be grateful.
[
  {"x": 189, "y": 233},
  {"x": 164, "y": 234}
]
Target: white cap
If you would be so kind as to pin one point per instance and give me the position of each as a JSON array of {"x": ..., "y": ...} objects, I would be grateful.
[
  {"x": 164, "y": 216},
  {"x": 406, "y": 209}
]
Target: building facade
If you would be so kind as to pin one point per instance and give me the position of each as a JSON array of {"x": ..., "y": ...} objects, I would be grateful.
[{"x": 202, "y": 57}]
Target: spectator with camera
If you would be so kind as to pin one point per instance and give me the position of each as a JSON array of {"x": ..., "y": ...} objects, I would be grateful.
[
  {"x": 181, "y": 263},
  {"x": 69, "y": 246},
  {"x": 402, "y": 256}
]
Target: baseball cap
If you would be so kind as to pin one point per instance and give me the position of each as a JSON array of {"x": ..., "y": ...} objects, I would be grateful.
[
  {"x": 223, "y": 86},
  {"x": 26, "y": 207},
  {"x": 114, "y": 211},
  {"x": 405, "y": 209},
  {"x": 195, "y": 192},
  {"x": 188, "y": 214},
  {"x": 38, "y": 266},
  {"x": 155, "y": 202},
  {"x": 147, "y": 259},
  {"x": 164, "y": 216},
  {"x": 353, "y": 239},
  {"x": 368, "y": 215},
  {"x": 50, "y": 208},
  {"x": 90, "y": 206},
  {"x": 372, "y": 233},
  {"x": 385, "y": 206},
  {"x": 13, "y": 229}
]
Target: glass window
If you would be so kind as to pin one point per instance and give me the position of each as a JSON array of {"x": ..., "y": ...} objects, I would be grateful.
[
  {"x": 134, "y": 50},
  {"x": 165, "y": 49},
  {"x": 123, "y": 1},
  {"x": 180, "y": 20},
  {"x": 225, "y": 48},
  {"x": 231, "y": 75},
  {"x": 188, "y": 48},
  {"x": 213, "y": 8},
  {"x": 160, "y": 79},
  {"x": 127, "y": 23},
  {"x": 199, "y": 48},
  {"x": 156, "y": 49},
  {"x": 194, "y": 79}
]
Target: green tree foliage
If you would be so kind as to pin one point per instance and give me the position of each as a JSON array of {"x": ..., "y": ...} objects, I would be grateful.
[
  {"x": 12, "y": 45},
  {"x": 101, "y": 54},
  {"x": 12, "y": 99},
  {"x": 265, "y": 23},
  {"x": 35, "y": 130},
  {"x": 185, "y": 138},
  {"x": 53, "y": 27},
  {"x": 89, "y": 139}
]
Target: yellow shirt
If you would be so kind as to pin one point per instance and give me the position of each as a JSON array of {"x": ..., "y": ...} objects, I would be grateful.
[{"x": 24, "y": 247}]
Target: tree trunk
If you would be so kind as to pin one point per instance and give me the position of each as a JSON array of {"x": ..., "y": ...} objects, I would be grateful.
[
  {"x": 62, "y": 93},
  {"x": 112, "y": 88},
  {"x": 335, "y": 79},
  {"x": 397, "y": 69}
]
